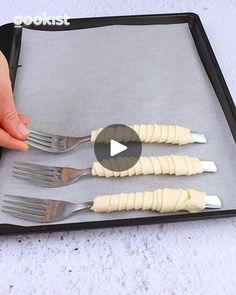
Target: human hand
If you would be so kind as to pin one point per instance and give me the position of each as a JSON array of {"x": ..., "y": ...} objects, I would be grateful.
[{"x": 13, "y": 130}]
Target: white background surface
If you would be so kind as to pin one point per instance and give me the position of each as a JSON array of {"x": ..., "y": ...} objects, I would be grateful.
[{"x": 182, "y": 258}]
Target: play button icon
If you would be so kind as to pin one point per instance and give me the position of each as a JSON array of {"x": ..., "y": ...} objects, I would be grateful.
[{"x": 117, "y": 147}]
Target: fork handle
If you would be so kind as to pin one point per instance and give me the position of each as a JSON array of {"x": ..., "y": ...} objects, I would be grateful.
[
  {"x": 150, "y": 133},
  {"x": 177, "y": 165},
  {"x": 161, "y": 200}
]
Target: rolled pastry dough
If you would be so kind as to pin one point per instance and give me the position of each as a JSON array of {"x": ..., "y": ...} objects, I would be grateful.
[
  {"x": 148, "y": 133},
  {"x": 178, "y": 165},
  {"x": 161, "y": 200}
]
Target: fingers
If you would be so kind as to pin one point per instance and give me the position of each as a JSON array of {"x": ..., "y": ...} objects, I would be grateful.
[
  {"x": 9, "y": 119},
  {"x": 24, "y": 119},
  {"x": 7, "y": 141}
]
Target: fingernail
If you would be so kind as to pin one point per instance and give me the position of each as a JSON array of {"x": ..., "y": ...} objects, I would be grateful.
[
  {"x": 25, "y": 147},
  {"x": 23, "y": 130}
]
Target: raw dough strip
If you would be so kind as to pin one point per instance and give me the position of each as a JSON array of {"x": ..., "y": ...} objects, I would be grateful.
[
  {"x": 148, "y": 133},
  {"x": 161, "y": 200},
  {"x": 177, "y": 165}
]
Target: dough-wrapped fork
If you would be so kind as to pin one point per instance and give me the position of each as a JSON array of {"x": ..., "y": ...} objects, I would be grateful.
[
  {"x": 160, "y": 200},
  {"x": 49, "y": 176},
  {"x": 148, "y": 133}
]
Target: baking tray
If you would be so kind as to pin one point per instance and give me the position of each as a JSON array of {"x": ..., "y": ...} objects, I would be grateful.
[{"x": 217, "y": 111}]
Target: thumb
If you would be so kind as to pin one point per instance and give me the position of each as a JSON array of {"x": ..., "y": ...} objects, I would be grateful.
[{"x": 11, "y": 123}]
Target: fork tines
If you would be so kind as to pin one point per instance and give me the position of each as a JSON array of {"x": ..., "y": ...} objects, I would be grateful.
[
  {"x": 50, "y": 142},
  {"x": 38, "y": 174},
  {"x": 40, "y": 140},
  {"x": 33, "y": 209},
  {"x": 54, "y": 143}
]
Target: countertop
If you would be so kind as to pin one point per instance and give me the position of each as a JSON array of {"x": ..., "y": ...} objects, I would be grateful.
[{"x": 179, "y": 258}]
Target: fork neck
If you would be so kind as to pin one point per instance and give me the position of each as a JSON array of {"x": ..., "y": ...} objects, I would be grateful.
[
  {"x": 84, "y": 205},
  {"x": 86, "y": 171},
  {"x": 85, "y": 139},
  {"x": 71, "y": 175}
]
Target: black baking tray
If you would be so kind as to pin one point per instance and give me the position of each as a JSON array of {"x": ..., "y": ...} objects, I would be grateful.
[{"x": 10, "y": 42}]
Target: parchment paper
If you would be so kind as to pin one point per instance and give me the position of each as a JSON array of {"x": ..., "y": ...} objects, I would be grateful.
[{"x": 72, "y": 82}]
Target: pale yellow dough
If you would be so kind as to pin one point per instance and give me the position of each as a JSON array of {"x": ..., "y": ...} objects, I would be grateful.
[
  {"x": 161, "y": 200},
  {"x": 148, "y": 133},
  {"x": 177, "y": 165}
]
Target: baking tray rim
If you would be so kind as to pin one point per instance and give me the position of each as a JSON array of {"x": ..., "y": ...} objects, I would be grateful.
[{"x": 210, "y": 64}]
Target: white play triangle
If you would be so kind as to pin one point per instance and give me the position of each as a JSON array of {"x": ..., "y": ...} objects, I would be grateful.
[{"x": 116, "y": 148}]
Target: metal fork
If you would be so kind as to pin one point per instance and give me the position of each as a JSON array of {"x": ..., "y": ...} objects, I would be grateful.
[
  {"x": 50, "y": 176},
  {"x": 40, "y": 210},
  {"x": 54, "y": 143},
  {"x": 59, "y": 144},
  {"x": 45, "y": 210}
]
